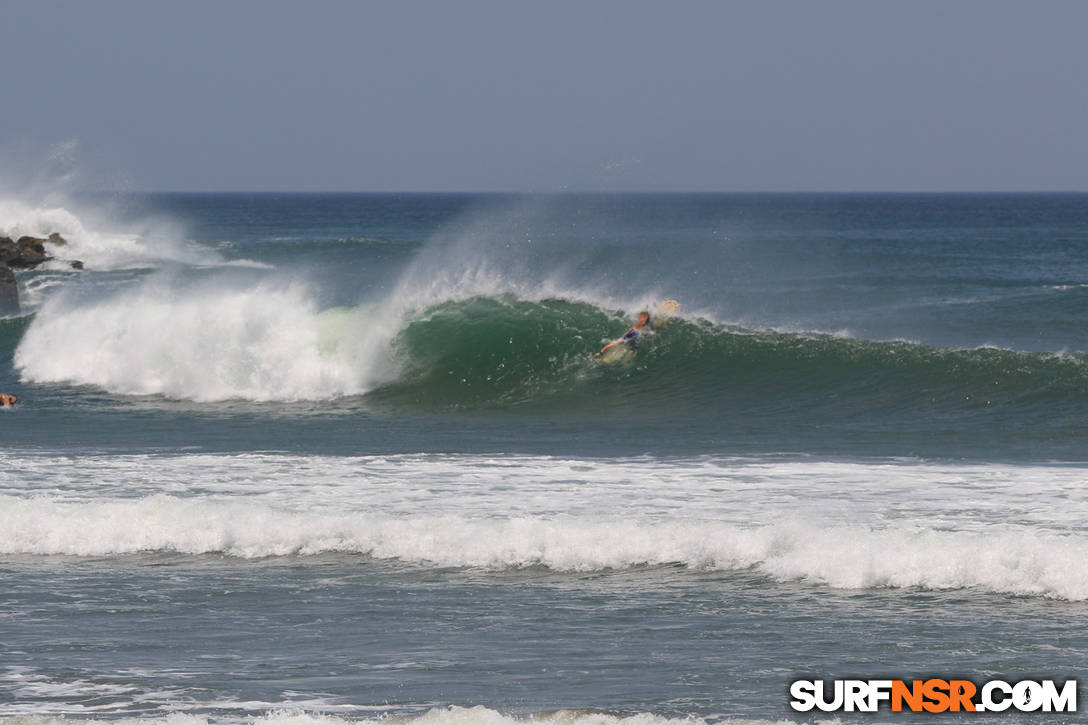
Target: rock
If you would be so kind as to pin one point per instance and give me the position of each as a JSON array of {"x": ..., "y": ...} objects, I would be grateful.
[
  {"x": 9, "y": 251},
  {"x": 9, "y": 292},
  {"x": 25, "y": 253},
  {"x": 34, "y": 243},
  {"x": 76, "y": 264}
]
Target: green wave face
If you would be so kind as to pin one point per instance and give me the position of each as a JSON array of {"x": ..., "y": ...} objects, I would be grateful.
[
  {"x": 497, "y": 351},
  {"x": 502, "y": 352}
]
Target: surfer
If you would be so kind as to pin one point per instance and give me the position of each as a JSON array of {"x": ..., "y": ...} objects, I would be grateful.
[
  {"x": 632, "y": 336},
  {"x": 8, "y": 401}
]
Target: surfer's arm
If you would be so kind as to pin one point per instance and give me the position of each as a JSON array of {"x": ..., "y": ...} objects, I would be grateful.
[{"x": 606, "y": 348}]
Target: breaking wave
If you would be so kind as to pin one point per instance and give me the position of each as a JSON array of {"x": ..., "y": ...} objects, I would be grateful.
[
  {"x": 269, "y": 341},
  {"x": 841, "y": 556},
  {"x": 260, "y": 343}
]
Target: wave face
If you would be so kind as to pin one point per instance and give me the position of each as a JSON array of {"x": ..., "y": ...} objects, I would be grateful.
[{"x": 502, "y": 351}]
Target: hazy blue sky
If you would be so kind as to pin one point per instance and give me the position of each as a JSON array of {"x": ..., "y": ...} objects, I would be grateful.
[{"x": 735, "y": 96}]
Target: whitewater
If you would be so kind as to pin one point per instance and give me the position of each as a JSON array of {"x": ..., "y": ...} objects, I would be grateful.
[
  {"x": 348, "y": 458},
  {"x": 909, "y": 524}
]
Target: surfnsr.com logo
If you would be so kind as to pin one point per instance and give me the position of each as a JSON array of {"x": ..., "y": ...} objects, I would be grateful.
[{"x": 933, "y": 695}]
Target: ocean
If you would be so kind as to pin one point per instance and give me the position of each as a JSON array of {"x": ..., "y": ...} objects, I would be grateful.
[{"x": 328, "y": 459}]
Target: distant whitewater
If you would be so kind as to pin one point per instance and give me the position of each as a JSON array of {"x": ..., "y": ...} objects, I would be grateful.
[
  {"x": 289, "y": 714},
  {"x": 150, "y": 243},
  {"x": 514, "y": 512}
]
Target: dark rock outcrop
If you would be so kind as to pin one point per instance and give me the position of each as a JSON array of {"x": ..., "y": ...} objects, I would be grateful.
[
  {"x": 9, "y": 292},
  {"x": 26, "y": 253}
]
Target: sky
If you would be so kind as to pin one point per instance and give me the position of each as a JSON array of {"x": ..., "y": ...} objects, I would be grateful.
[{"x": 744, "y": 95}]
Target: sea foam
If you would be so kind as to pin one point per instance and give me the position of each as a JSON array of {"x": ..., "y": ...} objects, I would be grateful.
[
  {"x": 453, "y": 715},
  {"x": 879, "y": 524},
  {"x": 842, "y": 556}
]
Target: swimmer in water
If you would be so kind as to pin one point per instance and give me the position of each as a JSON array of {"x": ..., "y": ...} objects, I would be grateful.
[
  {"x": 8, "y": 401},
  {"x": 631, "y": 338}
]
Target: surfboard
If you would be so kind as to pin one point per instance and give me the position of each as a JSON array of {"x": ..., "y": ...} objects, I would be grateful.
[
  {"x": 665, "y": 311},
  {"x": 618, "y": 353}
]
